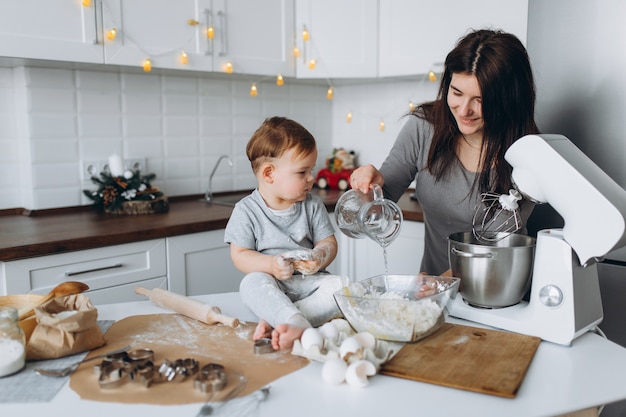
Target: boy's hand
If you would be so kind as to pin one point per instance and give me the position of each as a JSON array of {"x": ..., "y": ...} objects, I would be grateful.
[
  {"x": 304, "y": 260},
  {"x": 307, "y": 267},
  {"x": 309, "y": 261},
  {"x": 282, "y": 268}
]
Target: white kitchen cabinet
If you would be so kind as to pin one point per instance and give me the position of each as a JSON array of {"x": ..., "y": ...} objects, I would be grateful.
[
  {"x": 259, "y": 37},
  {"x": 416, "y": 35},
  {"x": 156, "y": 30},
  {"x": 343, "y": 38},
  {"x": 364, "y": 258},
  {"x": 256, "y": 37},
  {"x": 111, "y": 272},
  {"x": 57, "y": 30},
  {"x": 200, "y": 263}
]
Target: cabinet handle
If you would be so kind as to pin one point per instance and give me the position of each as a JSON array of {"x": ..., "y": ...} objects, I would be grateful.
[
  {"x": 208, "y": 17},
  {"x": 96, "y": 26},
  {"x": 305, "y": 45},
  {"x": 86, "y": 271},
  {"x": 223, "y": 39}
]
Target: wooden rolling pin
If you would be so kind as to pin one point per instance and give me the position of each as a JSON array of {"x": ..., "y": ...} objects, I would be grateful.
[{"x": 187, "y": 306}]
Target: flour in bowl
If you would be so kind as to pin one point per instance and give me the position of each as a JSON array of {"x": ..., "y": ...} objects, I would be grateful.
[{"x": 391, "y": 315}]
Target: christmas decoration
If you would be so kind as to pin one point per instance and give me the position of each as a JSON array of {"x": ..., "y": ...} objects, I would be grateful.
[
  {"x": 129, "y": 193},
  {"x": 336, "y": 175}
]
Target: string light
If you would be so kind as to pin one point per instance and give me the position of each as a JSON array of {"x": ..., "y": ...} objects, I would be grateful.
[
  {"x": 228, "y": 67},
  {"x": 111, "y": 34},
  {"x": 147, "y": 65},
  {"x": 330, "y": 93}
]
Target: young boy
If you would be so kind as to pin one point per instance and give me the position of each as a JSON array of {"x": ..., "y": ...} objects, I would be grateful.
[{"x": 281, "y": 237}]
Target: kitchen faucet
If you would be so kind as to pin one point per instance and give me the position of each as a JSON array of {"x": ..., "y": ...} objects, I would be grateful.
[{"x": 209, "y": 192}]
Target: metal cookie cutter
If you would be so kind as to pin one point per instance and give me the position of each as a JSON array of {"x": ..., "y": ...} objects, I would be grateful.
[
  {"x": 135, "y": 365},
  {"x": 114, "y": 374},
  {"x": 211, "y": 378},
  {"x": 263, "y": 345},
  {"x": 111, "y": 362},
  {"x": 178, "y": 370},
  {"x": 140, "y": 357}
]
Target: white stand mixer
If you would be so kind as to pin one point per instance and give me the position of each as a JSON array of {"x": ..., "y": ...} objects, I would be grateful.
[{"x": 565, "y": 297}]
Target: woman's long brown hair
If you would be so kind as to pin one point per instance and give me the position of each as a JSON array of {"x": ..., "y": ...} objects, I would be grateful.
[{"x": 501, "y": 65}]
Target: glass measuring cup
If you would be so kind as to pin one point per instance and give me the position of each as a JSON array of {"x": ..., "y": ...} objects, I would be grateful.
[{"x": 359, "y": 215}]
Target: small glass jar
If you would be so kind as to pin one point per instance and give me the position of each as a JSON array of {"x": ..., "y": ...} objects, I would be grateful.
[{"x": 12, "y": 342}]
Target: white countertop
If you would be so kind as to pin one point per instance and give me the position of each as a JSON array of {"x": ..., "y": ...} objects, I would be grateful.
[{"x": 560, "y": 379}]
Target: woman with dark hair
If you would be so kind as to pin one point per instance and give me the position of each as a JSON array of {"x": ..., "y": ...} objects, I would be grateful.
[{"x": 454, "y": 146}]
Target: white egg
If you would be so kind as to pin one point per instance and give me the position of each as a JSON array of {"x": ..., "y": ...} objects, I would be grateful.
[
  {"x": 366, "y": 339},
  {"x": 311, "y": 337},
  {"x": 329, "y": 331},
  {"x": 334, "y": 371},
  {"x": 342, "y": 325},
  {"x": 349, "y": 346},
  {"x": 357, "y": 373}
]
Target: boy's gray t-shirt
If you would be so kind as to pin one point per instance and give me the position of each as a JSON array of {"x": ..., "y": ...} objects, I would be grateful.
[{"x": 255, "y": 226}]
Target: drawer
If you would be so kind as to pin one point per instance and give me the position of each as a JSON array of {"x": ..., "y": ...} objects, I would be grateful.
[
  {"x": 99, "y": 268},
  {"x": 125, "y": 292}
]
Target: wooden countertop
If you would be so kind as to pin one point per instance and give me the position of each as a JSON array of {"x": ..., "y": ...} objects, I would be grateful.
[{"x": 54, "y": 231}]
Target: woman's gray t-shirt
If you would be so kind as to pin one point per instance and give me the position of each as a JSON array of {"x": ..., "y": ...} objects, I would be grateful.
[
  {"x": 255, "y": 226},
  {"x": 448, "y": 204}
]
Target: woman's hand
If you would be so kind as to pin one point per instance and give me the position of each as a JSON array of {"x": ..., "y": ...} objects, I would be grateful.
[{"x": 364, "y": 177}]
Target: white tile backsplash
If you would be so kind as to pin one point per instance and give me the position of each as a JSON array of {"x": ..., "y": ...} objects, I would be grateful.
[
  {"x": 51, "y": 100},
  {"x": 54, "y": 119},
  {"x": 99, "y": 102},
  {"x": 98, "y": 80},
  {"x": 370, "y": 103},
  {"x": 51, "y": 120}
]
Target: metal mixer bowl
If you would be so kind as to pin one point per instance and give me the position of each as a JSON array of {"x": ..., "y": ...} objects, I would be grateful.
[
  {"x": 400, "y": 308},
  {"x": 493, "y": 274}
]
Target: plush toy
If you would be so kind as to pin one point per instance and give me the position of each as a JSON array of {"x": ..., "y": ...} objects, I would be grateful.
[{"x": 336, "y": 174}]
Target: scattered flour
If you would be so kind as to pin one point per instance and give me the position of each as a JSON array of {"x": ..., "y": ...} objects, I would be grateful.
[{"x": 461, "y": 340}]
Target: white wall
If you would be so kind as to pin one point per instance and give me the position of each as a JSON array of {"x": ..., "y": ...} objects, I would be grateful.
[
  {"x": 371, "y": 102},
  {"x": 578, "y": 52},
  {"x": 52, "y": 119}
]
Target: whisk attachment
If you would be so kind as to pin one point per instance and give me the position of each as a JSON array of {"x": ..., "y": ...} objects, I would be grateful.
[{"x": 497, "y": 216}]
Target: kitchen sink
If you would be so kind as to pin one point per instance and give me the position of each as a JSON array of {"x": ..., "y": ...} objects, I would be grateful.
[{"x": 227, "y": 200}]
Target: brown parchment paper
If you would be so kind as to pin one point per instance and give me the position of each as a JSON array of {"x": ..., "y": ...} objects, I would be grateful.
[{"x": 174, "y": 336}]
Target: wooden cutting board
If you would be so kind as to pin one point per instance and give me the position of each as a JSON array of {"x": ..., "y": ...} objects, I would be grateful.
[{"x": 470, "y": 358}]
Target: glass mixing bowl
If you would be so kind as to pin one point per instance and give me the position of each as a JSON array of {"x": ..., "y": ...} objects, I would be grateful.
[{"x": 399, "y": 308}]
